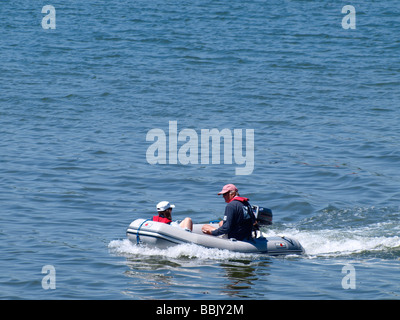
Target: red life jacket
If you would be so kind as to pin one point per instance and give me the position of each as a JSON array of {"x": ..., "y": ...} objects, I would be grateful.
[
  {"x": 241, "y": 199},
  {"x": 162, "y": 219}
]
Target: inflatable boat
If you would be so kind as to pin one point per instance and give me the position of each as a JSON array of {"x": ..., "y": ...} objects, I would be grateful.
[{"x": 161, "y": 235}]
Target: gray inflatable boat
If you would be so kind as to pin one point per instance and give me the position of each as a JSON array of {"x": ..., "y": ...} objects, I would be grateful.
[{"x": 161, "y": 235}]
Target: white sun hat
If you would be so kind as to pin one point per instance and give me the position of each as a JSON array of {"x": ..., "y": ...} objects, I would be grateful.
[{"x": 164, "y": 205}]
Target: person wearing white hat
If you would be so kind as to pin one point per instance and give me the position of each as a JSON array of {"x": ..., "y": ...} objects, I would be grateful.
[
  {"x": 164, "y": 205},
  {"x": 164, "y": 209}
]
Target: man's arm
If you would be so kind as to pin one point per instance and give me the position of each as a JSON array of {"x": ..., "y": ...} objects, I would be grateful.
[{"x": 226, "y": 226}]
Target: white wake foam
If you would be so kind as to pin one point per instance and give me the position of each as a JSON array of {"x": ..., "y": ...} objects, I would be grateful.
[
  {"x": 190, "y": 251},
  {"x": 342, "y": 241}
]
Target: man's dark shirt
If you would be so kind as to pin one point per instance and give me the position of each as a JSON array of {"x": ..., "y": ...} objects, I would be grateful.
[{"x": 238, "y": 220}]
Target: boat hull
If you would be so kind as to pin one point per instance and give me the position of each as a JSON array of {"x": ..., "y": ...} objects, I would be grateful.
[{"x": 161, "y": 235}]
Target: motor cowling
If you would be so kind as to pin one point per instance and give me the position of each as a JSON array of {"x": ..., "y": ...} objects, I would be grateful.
[{"x": 263, "y": 215}]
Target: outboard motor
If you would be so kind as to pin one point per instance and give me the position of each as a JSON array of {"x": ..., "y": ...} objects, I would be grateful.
[{"x": 263, "y": 215}]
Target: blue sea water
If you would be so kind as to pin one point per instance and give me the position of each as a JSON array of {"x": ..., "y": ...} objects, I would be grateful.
[{"x": 76, "y": 105}]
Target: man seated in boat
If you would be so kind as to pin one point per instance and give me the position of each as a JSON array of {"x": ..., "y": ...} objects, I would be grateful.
[
  {"x": 238, "y": 219},
  {"x": 164, "y": 209}
]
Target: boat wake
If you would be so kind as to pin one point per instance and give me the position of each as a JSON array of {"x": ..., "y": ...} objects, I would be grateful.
[
  {"x": 333, "y": 233},
  {"x": 182, "y": 251},
  {"x": 341, "y": 242}
]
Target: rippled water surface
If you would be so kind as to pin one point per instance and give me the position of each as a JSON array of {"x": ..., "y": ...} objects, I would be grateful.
[{"x": 78, "y": 101}]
